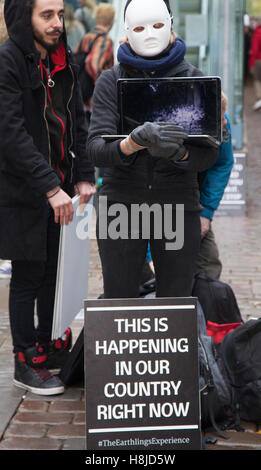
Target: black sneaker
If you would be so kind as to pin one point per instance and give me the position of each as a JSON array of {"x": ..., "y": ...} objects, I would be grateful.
[
  {"x": 58, "y": 351},
  {"x": 34, "y": 379}
]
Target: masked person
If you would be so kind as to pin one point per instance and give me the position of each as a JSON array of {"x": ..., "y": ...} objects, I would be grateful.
[
  {"x": 153, "y": 165},
  {"x": 42, "y": 129}
]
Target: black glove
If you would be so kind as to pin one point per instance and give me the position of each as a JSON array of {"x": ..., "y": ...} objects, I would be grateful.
[{"x": 163, "y": 139}]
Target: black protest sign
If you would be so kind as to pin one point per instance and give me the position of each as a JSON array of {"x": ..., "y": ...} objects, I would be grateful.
[{"x": 141, "y": 374}]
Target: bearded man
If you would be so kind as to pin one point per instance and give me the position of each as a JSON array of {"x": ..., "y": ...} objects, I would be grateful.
[{"x": 43, "y": 163}]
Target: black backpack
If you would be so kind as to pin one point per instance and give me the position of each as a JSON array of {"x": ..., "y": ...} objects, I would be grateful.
[
  {"x": 217, "y": 299},
  {"x": 241, "y": 354},
  {"x": 215, "y": 389},
  {"x": 85, "y": 80}
]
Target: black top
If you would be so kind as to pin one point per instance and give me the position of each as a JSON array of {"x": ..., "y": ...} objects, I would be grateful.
[{"x": 140, "y": 177}]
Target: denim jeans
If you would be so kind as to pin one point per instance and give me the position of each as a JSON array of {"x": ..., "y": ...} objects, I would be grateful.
[{"x": 32, "y": 294}]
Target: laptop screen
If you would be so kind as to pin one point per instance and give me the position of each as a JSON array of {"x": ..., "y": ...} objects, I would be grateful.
[{"x": 193, "y": 103}]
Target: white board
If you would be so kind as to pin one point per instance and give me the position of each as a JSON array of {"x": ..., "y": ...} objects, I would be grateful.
[{"x": 73, "y": 267}]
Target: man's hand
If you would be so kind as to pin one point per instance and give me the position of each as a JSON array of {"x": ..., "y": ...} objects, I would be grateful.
[
  {"x": 86, "y": 190},
  {"x": 62, "y": 206},
  {"x": 205, "y": 226}
]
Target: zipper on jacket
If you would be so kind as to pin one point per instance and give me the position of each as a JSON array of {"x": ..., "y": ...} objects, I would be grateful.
[
  {"x": 71, "y": 125},
  {"x": 46, "y": 122},
  {"x": 63, "y": 132},
  {"x": 61, "y": 121}
]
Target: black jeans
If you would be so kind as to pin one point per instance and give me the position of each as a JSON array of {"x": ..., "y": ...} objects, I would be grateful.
[
  {"x": 123, "y": 259},
  {"x": 34, "y": 282}
]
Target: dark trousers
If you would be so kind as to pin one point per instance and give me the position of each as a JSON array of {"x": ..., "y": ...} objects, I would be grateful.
[
  {"x": 33, "y": 285},
  {"x": 123, "y": 260}
]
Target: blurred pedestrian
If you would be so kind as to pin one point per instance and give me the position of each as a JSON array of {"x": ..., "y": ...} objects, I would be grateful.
[
  {"x": 152, "y": 165},
  {"x": 3, "y": 30},
  {"x": 255, "y": 65},
  {"x": 43, "y": 162},
  {"x": 74, "y": 28},
  {"x": 97, "y": 48},
  {"x": 85, "y": 14},
  {"x": 247, "y": 45},
  {"x": 74, "y": 3}
]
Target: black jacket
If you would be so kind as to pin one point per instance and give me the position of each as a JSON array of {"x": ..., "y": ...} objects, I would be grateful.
[
  {"x": 140, "y": 177},
  {"x": 25, "y": 171}
]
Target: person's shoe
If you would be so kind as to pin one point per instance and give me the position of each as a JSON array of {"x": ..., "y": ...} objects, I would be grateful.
[
  {"x": 34, "y": 379},
  {"x": 36, "y": 356},
  {"x": 58, "y": 351},
  {"x": 5, "y": 270},
  {"x": 257, "y": 105}
]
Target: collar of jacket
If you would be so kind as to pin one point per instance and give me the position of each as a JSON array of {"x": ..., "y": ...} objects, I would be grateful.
[{"x": 60, "y": 59}]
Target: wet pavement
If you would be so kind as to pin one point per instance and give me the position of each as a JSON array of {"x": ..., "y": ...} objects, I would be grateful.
[{"x": 31, "y": 422}]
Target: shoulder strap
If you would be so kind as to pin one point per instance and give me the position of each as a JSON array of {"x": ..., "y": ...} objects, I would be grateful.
[{"x": 92, "y": 43}]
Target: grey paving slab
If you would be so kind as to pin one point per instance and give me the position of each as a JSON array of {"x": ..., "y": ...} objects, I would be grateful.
[{"x": 11, "y": 397}]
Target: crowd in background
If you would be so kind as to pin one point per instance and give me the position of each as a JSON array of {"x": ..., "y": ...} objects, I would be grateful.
[
  {"x": 87, "y": 29},
  {"x": 252, "y": 59},
  {"x": 80, "y": 19}
]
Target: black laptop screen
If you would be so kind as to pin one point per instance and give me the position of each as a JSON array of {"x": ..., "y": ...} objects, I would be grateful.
[{"x": 193, "y": 103}]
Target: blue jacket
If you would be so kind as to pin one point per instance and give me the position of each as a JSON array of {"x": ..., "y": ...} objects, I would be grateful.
[{"x": 217, "y": 177}]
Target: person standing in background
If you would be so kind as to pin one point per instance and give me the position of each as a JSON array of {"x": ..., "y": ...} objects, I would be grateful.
[
  {"x": 255, "y": 65},
  {"x": 74, "y": 3},
  {"x": 3, "y": 30},
  {"x": 98, "y": 50},
  {"x": 85, "y": 14},
  {"x": 74, "y": 28}
]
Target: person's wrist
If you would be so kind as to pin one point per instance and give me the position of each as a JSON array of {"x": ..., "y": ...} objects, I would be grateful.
[
  {"x": 53, "y": 192},
  {"x": 128, "y": 146},
  {"x": 184, "y": 158},
  {"x": 133, "y": 144}
]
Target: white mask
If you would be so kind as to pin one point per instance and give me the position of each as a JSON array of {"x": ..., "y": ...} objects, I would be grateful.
[{"x": 148, "y": 27}]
